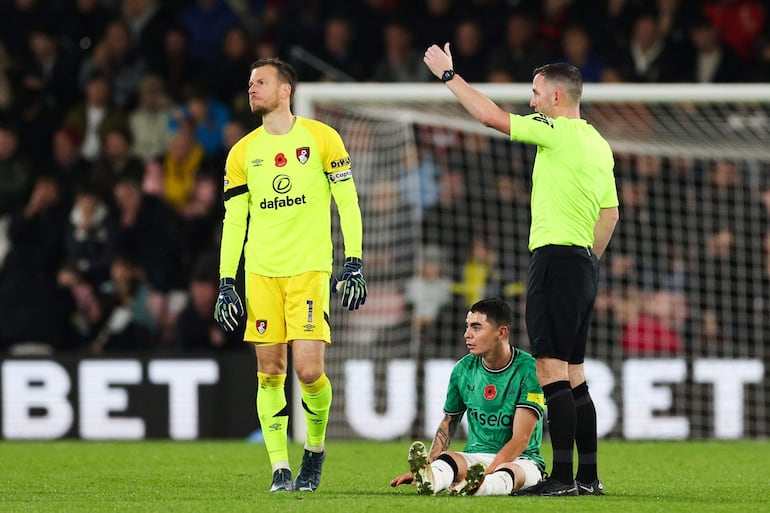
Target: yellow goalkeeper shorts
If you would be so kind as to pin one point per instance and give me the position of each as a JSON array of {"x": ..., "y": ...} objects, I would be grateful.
[{"x": 281, "y": 310}]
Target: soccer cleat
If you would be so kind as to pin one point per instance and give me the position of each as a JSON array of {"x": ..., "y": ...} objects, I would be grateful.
[
  {"x": 550, "y": 487},
  {"x": 474, "y": 476},
  {"x": 593, "y": 488},
  {"x": 309, "y": 476},
  {"x": 420, "y": 468},
  {"x": 282, "y": 481}
]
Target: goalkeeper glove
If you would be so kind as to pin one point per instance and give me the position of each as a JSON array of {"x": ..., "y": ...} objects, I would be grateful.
[
  {"x": 229, "y": 306},
  {"x": 351, "y": 281}
]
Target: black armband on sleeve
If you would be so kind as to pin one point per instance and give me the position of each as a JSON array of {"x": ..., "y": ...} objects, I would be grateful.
[{"x": 235, "y": 191}]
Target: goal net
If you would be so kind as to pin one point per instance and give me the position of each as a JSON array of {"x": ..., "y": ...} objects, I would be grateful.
[{"x": 678, "y": 346}]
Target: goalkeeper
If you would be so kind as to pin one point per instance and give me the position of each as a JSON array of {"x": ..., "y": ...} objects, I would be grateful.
[
  {"x": 496, "y": 384},
  {"x": 281, "y": 178}
]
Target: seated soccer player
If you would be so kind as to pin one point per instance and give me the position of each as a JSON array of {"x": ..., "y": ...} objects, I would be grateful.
[{"x": 496, "y": 384}]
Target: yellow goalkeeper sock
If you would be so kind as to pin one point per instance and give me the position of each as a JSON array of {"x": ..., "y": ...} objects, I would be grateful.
[
  {"x": 317, "y": 401},
  {"x": 273, "y": 417}
]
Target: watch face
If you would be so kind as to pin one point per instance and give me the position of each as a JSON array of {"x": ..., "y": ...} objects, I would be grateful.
[{"x": 448, "y": 74}]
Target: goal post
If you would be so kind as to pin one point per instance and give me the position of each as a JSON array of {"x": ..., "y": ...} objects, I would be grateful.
[{"x": 680, "y": 340}]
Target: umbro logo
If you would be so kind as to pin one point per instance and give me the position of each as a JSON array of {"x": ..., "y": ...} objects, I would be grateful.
[
  {"x": 470, "y": 387},
  {"x": 256, "y": 162}
]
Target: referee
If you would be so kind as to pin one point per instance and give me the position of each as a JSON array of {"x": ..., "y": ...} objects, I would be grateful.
[{"x": 574, "y": 212}]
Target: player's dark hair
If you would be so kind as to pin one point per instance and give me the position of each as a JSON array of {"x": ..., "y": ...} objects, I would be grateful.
[
  {"x": 286, "y": 73},
  {"x": 566, "y": 74},
  {"x": 497, "y": 311}
]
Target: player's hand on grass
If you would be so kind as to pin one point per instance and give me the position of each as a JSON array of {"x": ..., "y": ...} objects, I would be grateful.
[
  {"x": 402, "y": 480},
  {"x": 350, "y": 281},
  {"x": 229, "y": 306}
]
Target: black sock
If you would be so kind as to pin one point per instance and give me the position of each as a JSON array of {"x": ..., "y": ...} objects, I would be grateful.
[
  {"x": 561, "y": 425},
  {"x": 585, "y": 434}
]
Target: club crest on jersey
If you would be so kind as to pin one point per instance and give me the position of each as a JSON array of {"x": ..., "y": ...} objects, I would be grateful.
[
  {"x": 261, "y": 326},
  {"x": 490, "y": 392},
  {"x": 303, "y": 154}
]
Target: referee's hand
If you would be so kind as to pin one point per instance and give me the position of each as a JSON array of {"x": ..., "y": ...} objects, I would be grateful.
[{"x": 229, "y": 306}]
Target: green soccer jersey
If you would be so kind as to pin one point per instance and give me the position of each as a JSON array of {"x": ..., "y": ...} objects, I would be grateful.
[
  {"x": 572, "y": 178},
  {"x": 283, "y": 185},
  {"x": 491, "y": 398}
]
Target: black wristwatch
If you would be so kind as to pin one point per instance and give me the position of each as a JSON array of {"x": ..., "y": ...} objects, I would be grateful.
[{"x": 448, "y": 75}]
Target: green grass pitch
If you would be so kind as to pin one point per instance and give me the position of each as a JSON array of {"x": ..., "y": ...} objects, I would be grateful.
[{"x": 233, "y": 476}]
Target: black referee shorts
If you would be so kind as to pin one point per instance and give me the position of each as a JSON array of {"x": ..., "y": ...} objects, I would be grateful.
[{"x": 561, "y": 290}]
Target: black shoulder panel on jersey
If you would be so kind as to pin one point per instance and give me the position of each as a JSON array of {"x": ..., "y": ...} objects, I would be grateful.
[{"x": 235, "y": 191}]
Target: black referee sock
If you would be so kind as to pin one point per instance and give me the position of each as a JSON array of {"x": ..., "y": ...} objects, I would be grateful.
[
  {"x": 585, "y": 434},
  {"x": 561, "y": 425}
]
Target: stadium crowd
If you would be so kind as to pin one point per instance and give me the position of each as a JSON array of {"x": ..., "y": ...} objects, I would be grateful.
[{"x": 116, "y": 116}]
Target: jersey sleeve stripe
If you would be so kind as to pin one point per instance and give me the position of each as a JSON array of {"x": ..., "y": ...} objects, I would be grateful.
[
  {"x": 530, "y": 407},
  {"x": 235, "y": 191}
]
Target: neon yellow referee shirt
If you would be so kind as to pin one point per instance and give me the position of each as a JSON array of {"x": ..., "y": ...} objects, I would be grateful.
[{"x": 572, "y": 178}]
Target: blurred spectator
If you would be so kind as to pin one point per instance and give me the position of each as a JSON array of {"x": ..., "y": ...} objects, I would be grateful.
[
  {"x": 116, "y": 160},
  {"x": 481, "y": 275},
  {"x": 206, "y": 115},
  {"x": 649, "y": 57},
  {"x": 90, "y": 236},
  {"x": 401, "y": 62},
  {"x": 725, "y": 275},
  {"x": 148, "y": 21},
  {"x": 435, "y": 22},
  {"x": 149, "y": 122},
  {"x": 67, "y": 164},
  {"x": 195, "y": 328},
  {"x": 520, "y": 53},
  {"x": 81, "y": 309},
  {"x": 130, "y": 324},
  {"x": 17, "y": 172},
  {"x": 83, "y": 25},
  {"x": 339, "y": 55},
  {"x": 51, "y": 69},
  {"x": 17, "y": 20},
  {"x": 181, "y": 164},
  {"x": 430, "y": 290},
  {"x": 447, "y": 223},
  {"x": 469, "y": 54},
  {"x": 6, "y": 87},
  {"x": 712, "y": 61},
  {"x": 116, "y": 57},
  {"x": 232, "y": 66},
  {"x": 740, "y": 22},
  {"x": 553, "y": 16},
  {"x": 207, "y": 22},
  {"x": 28, "y": 276},
  {"x": 658, "y": 329},
  {"x": 174, "y": 63},
  {"x": 148, "y": 233},
  {"x": 95, "y": 116},
  {"x": 202, "y": 219},
  {"x": 577, "y": 49}
]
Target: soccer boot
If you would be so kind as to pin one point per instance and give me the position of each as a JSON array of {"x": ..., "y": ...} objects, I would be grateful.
[
  {"x": 550, "y": 487},
  {"x": 282, "y": 481},
  {"x": 474, "y": 476},
  {"x": 595, "y": 487},
  {"x": 420, "y": 468},
  {"x": 309, "y": 476}
]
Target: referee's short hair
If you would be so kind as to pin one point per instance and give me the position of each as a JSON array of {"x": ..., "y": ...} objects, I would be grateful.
[{"x": 566, "y": 74}]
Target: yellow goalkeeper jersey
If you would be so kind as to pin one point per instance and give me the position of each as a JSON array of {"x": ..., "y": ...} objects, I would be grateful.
[{"x": 283, "y": 185}]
